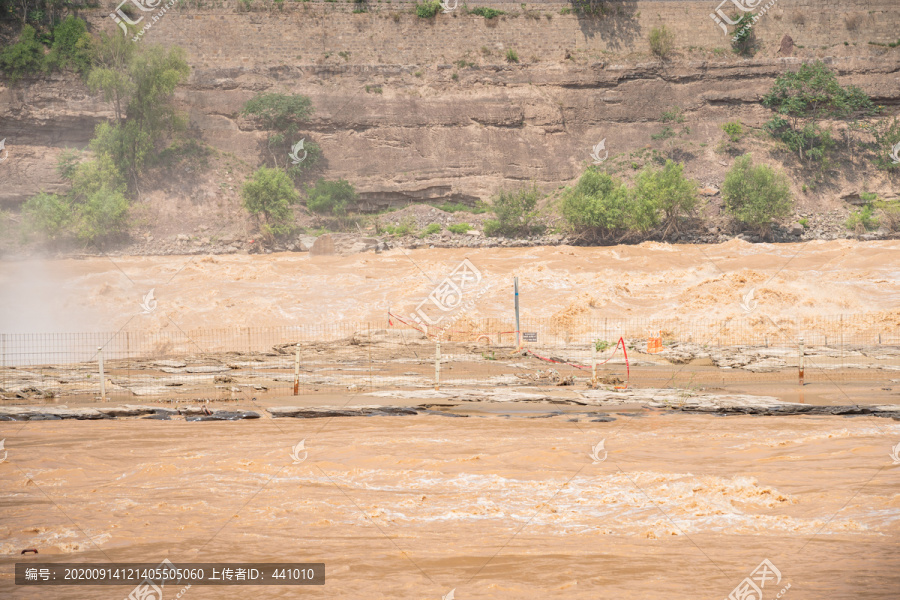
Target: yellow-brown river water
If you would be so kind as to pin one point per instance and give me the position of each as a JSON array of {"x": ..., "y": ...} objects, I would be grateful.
[
  {"x": 501, "y": 504},
  {"x": 492, "y": 505},
  {"x": 650, "y": 280}
]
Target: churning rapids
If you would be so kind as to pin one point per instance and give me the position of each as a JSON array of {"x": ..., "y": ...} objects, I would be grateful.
[
  {"x": 651, "y": 280},
  {"x": 500, "y": 502}
]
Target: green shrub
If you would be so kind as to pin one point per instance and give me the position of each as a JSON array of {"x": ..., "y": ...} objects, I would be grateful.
[
  {"x": 662, "y": 41},
  {"x": 94, "y": 176},
  {"x": 405, "y": 227},
  {"x": 331, "y": 196},
  {"x": 666, "y": 133},
  {"x": 71, "y": 46},
  {"x": 812, "y": 143},
  {"x": 269, "y": 195},
  {"x": 282, "y": 115},
  {"x": 863, "y": 219},
  {"x": 432, "y": 229},
  {"x": 744, "y": 37},
  {"x": 802, "y": 98},
  {"x": 48, "y": 213},
  {"x": 25, "y": 57},
  {"x": 487, "y": 13},
  {"x": 512, "y": 56},
  {"x": 890, "y": 213},
  {"x": 756, "y": 194},
  {"x": 599, "y": 205},
  {"x": 675, "y": 115},
  {"x": 734, "y": 130},
  {"x": 868, "y": 197},
  {"x": 427, "y": 10},
  {"x": 103, "y": 214},
  {"x": 665, "y": 193},
  {"x": 313, "y": 155},
  {"x": 516, "y": 212},
  {"x": 459, "y": 228}
]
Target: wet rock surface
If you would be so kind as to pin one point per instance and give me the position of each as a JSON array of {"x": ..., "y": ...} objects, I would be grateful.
[{"x": 327, "y": 411}]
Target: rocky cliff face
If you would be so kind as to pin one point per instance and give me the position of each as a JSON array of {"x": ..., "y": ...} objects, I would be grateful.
[{"x": 444, "y": 116}]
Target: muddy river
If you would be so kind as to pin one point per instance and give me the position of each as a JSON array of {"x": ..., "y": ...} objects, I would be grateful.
[
  {"x": 513, "y": 501},
  {"x": 650, "y": 280},
  {"x": 505, "y": 503}
]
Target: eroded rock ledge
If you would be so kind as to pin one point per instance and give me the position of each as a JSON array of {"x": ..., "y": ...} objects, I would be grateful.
[{"x": 649, "y": 398}]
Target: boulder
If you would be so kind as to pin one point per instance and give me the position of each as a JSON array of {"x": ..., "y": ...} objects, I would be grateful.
[
  {"x": 324, "y": 246},
  {"x": 787, "y": 46}
]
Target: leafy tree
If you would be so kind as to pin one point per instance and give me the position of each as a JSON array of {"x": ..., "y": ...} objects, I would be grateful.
[
  {"x": 666, "y": 191},
  {"x": 26, "y": 57},
  {"x": 331, "y": 196},
  {"x": 110, "y": 75},
  {"x": 800, "y": 99},
  {"x": 598, "y": 205},
  {"x": 269, "y": 195},
  {"x": 145, "y": 83},
  {"x": 516, "y": 212},
  {"x": 283, "y": 115},
  {"x": 756, "y": 194},
  {"x": 72, "y": 46}
]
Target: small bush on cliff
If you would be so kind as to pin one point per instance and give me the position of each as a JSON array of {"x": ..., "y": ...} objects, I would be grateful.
[
  {"x": 72, "y": 46},
  {"x": 756, "y": 194},
  {"x": 331, "y": 197},
  {"x": 744, "y": 38},
  {"x": 269, "y": 195},
  {"x": 516, "y": 213},
  {"x": 25, "y": 57},
  {"x": 282, "y": 115},
  {"x": 662, "y": 41},
  {"x": 487, "y": 13},
  {"x": 734, "y": 130},
  {"x": 801, "y": 99},
  {"x": 427, "y": 10}
]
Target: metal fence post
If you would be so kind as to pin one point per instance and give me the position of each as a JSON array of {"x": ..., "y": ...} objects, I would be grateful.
[
  {"x": 593, "y": 363},
  {"x": 369, "y": 348},
  {"x": 437, "y": 365},
  {"x": 800, "y": 348},
  {"x": 102, "y": 374},
  {"x": 297, "y": 371}
]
